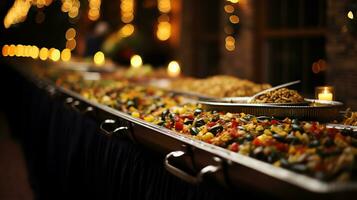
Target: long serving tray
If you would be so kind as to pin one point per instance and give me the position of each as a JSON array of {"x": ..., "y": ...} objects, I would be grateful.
[
  {"x": 311, "y": 109},
  {"x": 196, "y": 161}
]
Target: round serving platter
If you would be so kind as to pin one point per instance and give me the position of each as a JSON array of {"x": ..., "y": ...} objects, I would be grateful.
[{"x": 311, "y": 109}]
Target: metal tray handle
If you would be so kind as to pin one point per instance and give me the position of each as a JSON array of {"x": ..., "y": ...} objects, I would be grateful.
[
  {"x": 184, "y": 175},
  {"x": 118, "y": 130}
]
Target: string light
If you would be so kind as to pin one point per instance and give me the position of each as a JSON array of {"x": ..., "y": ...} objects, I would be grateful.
[
  {"x": 43, "y": 54},
  {"x": 71, "y": 7},
  {"x": 5, "y": 50},
  {"x": 163, "y": 31},
  {"x": 127, "y": 11},
  {"x": 229, "y": 8},
  {"x": 70, "y": 34},
  {"x": 66, "y": 55},
  {"x": 126, "y": 31},
  {"x": 34, "y": 52},
  {"x": 19, "y": 10},
  {"x": 94, "y": 9}
]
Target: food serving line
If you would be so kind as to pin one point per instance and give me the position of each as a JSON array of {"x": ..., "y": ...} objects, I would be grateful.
[{"x": 193, "y": 160}]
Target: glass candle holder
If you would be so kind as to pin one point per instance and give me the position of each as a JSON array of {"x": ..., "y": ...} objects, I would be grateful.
[{"x": 325, "y": 93}]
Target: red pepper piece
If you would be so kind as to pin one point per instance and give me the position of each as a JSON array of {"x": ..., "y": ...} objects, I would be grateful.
[
  {"x": 234, "y": 147},
  {"x": 273, "y": 122},
  {"x": 179, "y": 125}
]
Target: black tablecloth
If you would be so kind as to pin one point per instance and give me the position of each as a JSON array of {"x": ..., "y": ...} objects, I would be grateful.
[{"x": 67, "y": 157}]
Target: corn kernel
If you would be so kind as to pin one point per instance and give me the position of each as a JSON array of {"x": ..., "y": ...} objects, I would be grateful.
[
  {"x": 149, "y": 118},
  {"x": 135, "y": 114}
]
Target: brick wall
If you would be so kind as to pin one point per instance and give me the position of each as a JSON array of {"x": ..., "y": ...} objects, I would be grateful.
[{"x": 341, "y": 49}]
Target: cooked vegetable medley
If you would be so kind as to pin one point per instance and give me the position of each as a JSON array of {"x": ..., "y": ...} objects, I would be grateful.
[{"x": 304, "y": 147}]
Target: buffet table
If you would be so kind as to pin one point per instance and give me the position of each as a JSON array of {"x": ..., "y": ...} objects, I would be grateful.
[
  {"x": 68, "y": 157},
  {"x": 81, "y": 146}
]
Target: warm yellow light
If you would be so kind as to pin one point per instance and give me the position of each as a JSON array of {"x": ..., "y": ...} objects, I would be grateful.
[
  {"x": 66, "y": 55},
  {"x": 99, "y": 58},
  {"x": 163, "y": 31},
  {"x": 229, "y": 8},
  {"x": 173, "y": 69},
  {"x": 25, "y": 50},
  {"x": 163, "y": 18},
  {"x": 19, "y": 51},
  {"x": 5, "y": 50},
  {"x": 136, "y": 61},
  {"x": 34, "y": 52},
  {"x": 127, "y": 30},
  {"x": 233, "y": 1},
  {"x": 325, "y": 95},
  {"x": 71, "y": 44},
  {"x": 93, "y": 14},
  {"x": 55, "y": 55},
  {"x": 43, "y": 53},
  {"x": 73, "y": 12},
  {"x": 164, "y": 6},
  {"x": 12, "y": 50},
  {"x": 234, "y": 19},
  {"x": 127, "y": 11},
  {"x": 70, "y": 34},
  {"x": 230, "y": 43},
  {"x": 350, "y": 15},
  {"x": 66, "y": 6},
  {"x": 127, "y": 18}
]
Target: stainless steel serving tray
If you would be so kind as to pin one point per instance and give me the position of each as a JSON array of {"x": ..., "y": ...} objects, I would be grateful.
[
  {"x": 201, "y": 159},
  {"x": 323, "y": 110},
  {"x": 239, "y": 169}
]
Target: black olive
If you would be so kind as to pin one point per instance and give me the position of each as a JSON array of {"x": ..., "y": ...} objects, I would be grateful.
[
  {"x": 136, "y": 101},
  {"x": 188, "y": 121},
  {"x": 172, "y": 116},
  {"x": 130, "y": 103},
  {"x": 214, "y": 111},
  {"x": 314, "y": 143},
  {"x": 243, "y": 120},
  {"x": 329, "y": 142},
  {"x": 297, "y": 127},
  {"x": 354, "y": 142},
  {"x": 249, "y": 137},
  {"x": 272, "y": 157},
  {"x": 279, "y": 137},
  {"x": 164, "y": 114},
  {"x": 263, "y": 118},
  {"x": 161, "y": 123},
  {"x": 284, "y": 162},
  {"x": 292, "y": 139},
  {"x": 295, "y": 121},
  {"x": 197, "y": 111},
  {"x": 248, "y": 117},
  {"x": 194, "y": 130},
  {"x": 354, "y": 134},
  {"x": 216, "y": 129},
  {"x": 347, "y": 131},
  {"x": 299, "y": 167},
  {"x": 215, "y": 118},
  {"x": 200, "y": 122}
]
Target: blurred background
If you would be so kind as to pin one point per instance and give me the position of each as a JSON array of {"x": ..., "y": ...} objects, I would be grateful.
[{"x": 271, "y": 41}]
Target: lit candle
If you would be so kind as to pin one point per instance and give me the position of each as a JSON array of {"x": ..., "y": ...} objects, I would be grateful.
[
  {"x": 173, "y": 69},
  {"x": 325, "y": 96},
  {"x": 324, "y": 93}
]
